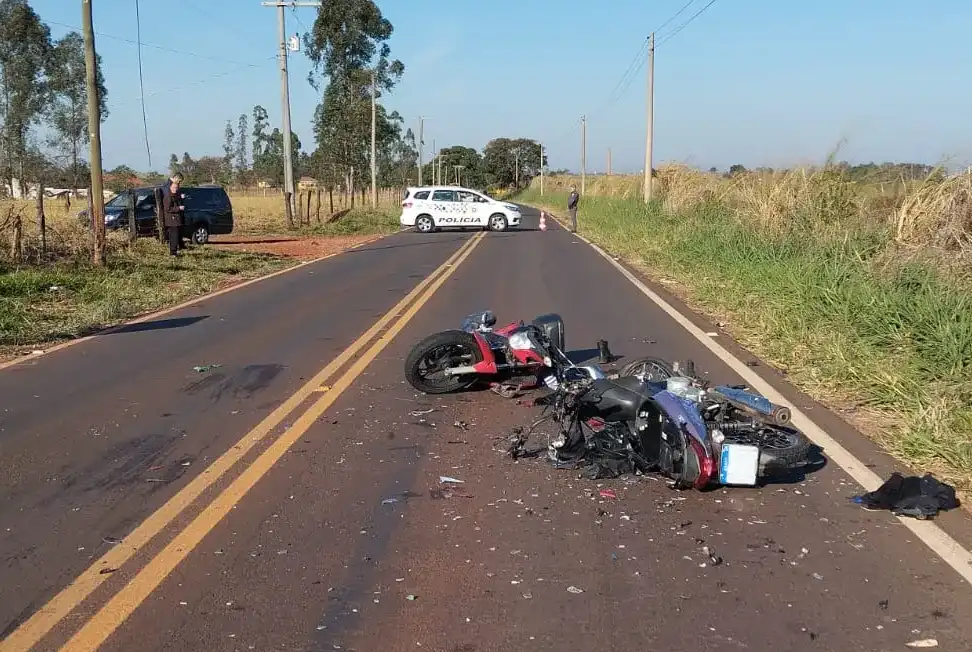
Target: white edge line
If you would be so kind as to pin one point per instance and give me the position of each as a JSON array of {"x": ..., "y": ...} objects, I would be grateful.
[{"x": 946, "y": 547}]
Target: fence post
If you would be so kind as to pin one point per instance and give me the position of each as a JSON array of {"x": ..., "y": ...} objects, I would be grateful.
[
  {"x": 318, "y": 207},
  {"x": 132, "y": 229},
  {"x": 41, "y": 220},
  {"x": 287, "y": 211},
  {"x": 16, "y": 244}
]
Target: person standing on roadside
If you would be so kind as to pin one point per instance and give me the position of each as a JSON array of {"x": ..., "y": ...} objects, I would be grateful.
[
  {"x": 572, "y": 200},
  {"x": 172, "y": 215},
  {"x": 164, "y": 190}
]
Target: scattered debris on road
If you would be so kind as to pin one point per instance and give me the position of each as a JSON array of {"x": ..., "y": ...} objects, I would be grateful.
[
  {"x": 574, "y": 589},
  {"x": 444, "y": 479},
  {"x": 924, "y": 643},
  {"x": 920, "y": 497},
  {"x": 203, "y": 368},
  {"x": 608, "y": 493}
]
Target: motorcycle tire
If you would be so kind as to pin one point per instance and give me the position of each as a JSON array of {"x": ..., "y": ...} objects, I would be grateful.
[
  {"x": 451, "y": 338},
  {"x": 662, "y": 369}
]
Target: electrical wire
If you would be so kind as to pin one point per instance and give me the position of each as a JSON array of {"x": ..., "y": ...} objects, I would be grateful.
[
  {"x": 639, "y": 61},
  {"x": 685, "y": 24},
  {"x": 141, "y": 85},
  {"x": 204, "y": 80},
  {"x": 157, "y": 47}
]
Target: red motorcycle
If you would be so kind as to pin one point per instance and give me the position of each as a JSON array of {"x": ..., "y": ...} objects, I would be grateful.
[{"x": 454, "y": 360}]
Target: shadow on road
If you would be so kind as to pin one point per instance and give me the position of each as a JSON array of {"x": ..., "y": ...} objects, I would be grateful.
[{"x": 158, "y": 325}]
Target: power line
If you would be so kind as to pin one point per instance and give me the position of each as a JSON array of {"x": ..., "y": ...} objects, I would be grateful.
[
  {"x": 674, "y": 16},
  {"x": 206, "y": 79},
  {"x": 158, "y": 47},
  {"x": 685, "y": 24},
  {"x": 141, "y": 85}
]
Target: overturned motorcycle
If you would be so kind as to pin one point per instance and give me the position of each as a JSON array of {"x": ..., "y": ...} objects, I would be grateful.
[
  {"x": 453, "y": 360},
  {"x": 656, "y": 417}
]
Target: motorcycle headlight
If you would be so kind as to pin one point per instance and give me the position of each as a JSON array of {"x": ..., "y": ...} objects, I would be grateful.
[{"x": 520, "y": 341}]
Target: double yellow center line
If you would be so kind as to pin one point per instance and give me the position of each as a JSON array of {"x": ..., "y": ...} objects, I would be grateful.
[{"x": 111, "y": 616}]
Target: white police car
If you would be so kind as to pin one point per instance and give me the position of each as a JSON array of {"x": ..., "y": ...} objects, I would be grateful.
[{"x": 429, "y": 208}]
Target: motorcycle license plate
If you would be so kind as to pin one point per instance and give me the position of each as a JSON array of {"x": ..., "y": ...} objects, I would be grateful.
[{"x": 739, "y": 465}]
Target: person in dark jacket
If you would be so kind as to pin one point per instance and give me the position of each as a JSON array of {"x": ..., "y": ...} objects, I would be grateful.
[
  {"x": 164, "y": 190},
  {"x": 172, "y": 216},
  {"x": 572, "y": 200}
]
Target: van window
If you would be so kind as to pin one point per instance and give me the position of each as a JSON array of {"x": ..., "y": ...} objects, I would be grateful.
[
  {"x": 444, "y": 195},
  {"x": 211, "y": 198},
  {"x": 422, "y": 194}
]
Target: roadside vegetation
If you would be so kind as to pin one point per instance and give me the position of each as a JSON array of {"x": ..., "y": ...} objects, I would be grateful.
[
  {"x": 58, "y": 294},
  {"x": 856, "y": 283}
]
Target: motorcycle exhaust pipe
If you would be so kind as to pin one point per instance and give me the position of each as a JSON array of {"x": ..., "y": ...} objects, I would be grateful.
[
  {"x": 469, "y": 369},
  {"x": 755, "y": 405}
]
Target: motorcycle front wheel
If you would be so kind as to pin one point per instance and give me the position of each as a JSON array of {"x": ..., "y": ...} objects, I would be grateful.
[
  {"x": 427, "y": 361},
  {"x": 648, "y": 369}
]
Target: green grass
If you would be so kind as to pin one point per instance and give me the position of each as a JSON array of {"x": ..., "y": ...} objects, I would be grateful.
[
  {"x": 891, "y": 341},
  {"x": 46, "y": 303}
]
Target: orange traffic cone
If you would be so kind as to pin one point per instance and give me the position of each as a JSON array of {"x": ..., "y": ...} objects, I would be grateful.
[{"x": 543, "y": 221}]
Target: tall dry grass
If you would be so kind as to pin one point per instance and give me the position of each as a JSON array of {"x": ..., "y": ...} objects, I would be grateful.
[{"x": 861, "y": 291}]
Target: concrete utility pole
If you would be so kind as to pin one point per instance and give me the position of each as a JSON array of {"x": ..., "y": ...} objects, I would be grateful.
[
  {"x": 421, "y": 129},
  {"x": 650, "y": 117},
  {"x": 96, "y": 191},
  {"x": 609, "y": 162},
  {"x": 583, "y": 153},
  {"x": 458, "y": 169},
  {"x": 435, "y": 159},
  {"x": 516, "y": 170},
  {"x": 374, "y": 147},
  {"x": 288, "y": 154}
]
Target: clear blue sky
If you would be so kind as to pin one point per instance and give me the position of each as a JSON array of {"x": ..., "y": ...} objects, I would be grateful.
[{"x": 757, "y": 82}]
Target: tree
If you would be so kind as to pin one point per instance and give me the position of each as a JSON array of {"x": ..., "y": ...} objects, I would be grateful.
[
  {"x": 69, "y": 103},
  {"x": 25, "y": 57},
  {"x": 736, "y": 168},
  {"x": 211, "y": 169},
  {"x": 242, "y": 162},
  {"x": 347, "y": 46},
  {"x": 229, "y": 150},
  {"x": 473, "y": 174},
  {"x": 268, "y": 160},
  {"x": 261, "y": 123},
  {"x": 173, "y": 164},
  {"x": 501, "y": 156}
]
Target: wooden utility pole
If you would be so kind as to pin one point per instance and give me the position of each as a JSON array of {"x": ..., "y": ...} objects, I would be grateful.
[
  {"x": 541, "y": 169},
  {"x": 97, "y": 199},
  {"x": 421, "y": 129},
  {"x": 650, "y": 118},
  {"x": 583, "y": 153},
  {"x": 609, "y": 161},
  {"x": 374, "y": 146}
]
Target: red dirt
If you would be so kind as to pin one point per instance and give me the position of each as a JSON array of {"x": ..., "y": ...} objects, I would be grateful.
[{"x": 302, "y": 248}]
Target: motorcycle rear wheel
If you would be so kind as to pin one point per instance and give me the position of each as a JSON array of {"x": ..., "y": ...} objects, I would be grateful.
[
  {"x": 456, "y": 348},
  {"x": 782, "y": 449}
]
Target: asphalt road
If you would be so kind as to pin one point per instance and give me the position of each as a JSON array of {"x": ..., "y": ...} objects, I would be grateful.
[{"x": 325, "y": 549}]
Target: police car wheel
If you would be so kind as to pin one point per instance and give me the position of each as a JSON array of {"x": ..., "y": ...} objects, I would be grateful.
[
  {"x": 424, "y": 224},
  {"x": 497, "y": 222}
]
